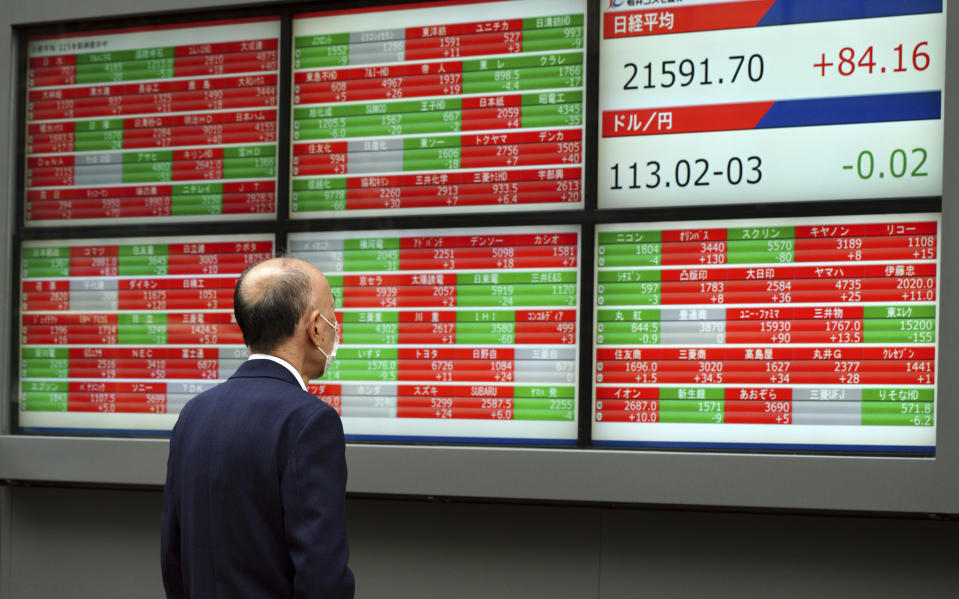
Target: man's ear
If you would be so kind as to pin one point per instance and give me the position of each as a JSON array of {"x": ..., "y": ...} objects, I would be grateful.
[{"x": 313, "y": 330}]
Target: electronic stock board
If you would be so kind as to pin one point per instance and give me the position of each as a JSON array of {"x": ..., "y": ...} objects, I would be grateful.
[
  {"x": 117, "y": 335},
  {"x": 453, "y": 333},
  {"x": 155, "y": 124},
  {"x": 472, "y": 337},
  {"x": 455, "y": 108},
  {"x": 793, "y": 334},
  {"x": 705, "y": 102},
  {"x": 706, "y": 334},
  {"x": 801, "y": 333},
  {"x": 445, "y": 334}
]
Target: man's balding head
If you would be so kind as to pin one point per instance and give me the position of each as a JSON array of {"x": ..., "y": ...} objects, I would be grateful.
[{"x": 270, "y": 299}]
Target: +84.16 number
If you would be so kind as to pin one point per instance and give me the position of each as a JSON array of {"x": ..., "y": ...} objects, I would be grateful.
[{"x": 698, "y": 172}]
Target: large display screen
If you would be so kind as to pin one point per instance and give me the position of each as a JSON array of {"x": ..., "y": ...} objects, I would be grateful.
[
  {"x": 445, "y": 109},
  {"x": 437, "y": 165},
  {"x": 453, "y": 334},
  {"x": 801, "y": 333},
  {"x": 117, "y": 335},
  {"x": 153, "y": 124},
  {"x": 705, "y": 102}
]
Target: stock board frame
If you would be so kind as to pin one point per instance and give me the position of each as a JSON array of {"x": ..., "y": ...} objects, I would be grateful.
[{"x": 583, "y": 474}]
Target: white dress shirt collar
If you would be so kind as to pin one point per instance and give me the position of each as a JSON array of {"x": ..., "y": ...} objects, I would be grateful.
[{"x": 282, "y": 363}]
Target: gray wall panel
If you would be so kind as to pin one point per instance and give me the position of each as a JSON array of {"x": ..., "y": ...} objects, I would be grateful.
[
  {"x": 104, "y": 544},
  {"x": 5, "y": 551},
  {"x": 84, "y": 544},
  {"x": 700, "y": 554},
  {"x": 415, "y": 550}
]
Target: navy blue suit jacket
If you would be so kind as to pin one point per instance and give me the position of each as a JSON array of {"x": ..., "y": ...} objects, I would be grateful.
[{"x": 254, "y": 503}]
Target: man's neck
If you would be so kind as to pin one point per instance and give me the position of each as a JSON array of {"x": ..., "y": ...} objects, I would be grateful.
[{"x": 291, "y": 358}]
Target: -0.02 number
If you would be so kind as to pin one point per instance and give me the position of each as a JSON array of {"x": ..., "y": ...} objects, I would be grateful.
[
  {"x": 899, "y": 164},
  {"x": 685, "y": 172}
]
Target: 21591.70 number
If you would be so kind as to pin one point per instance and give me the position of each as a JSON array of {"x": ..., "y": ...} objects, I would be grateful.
[{"x": 739, "y": 68}]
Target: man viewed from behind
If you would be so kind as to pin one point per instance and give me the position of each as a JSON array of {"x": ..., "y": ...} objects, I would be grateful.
[{"x": 254, "y": 503}]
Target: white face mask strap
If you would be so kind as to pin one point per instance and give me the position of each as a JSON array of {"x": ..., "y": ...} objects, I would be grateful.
[
  {"x": 328, "y": 322},
  {"x": 329, "y": 357}
]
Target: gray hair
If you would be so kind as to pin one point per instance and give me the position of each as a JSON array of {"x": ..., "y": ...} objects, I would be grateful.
[{"x": 268, "y": 314}]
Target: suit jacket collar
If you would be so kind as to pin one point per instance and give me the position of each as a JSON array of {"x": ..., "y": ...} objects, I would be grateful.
[{"x": 252, "y": 369}]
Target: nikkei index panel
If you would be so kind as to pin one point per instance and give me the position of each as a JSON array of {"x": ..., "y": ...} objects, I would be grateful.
[
  {"x": 446, "y": 109},
  {"x": 153, "y": 124},
  {"x": 770, "y": 101},
  {"x": 809, "y": 334},
  {"x": 453, "y": 335}
]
